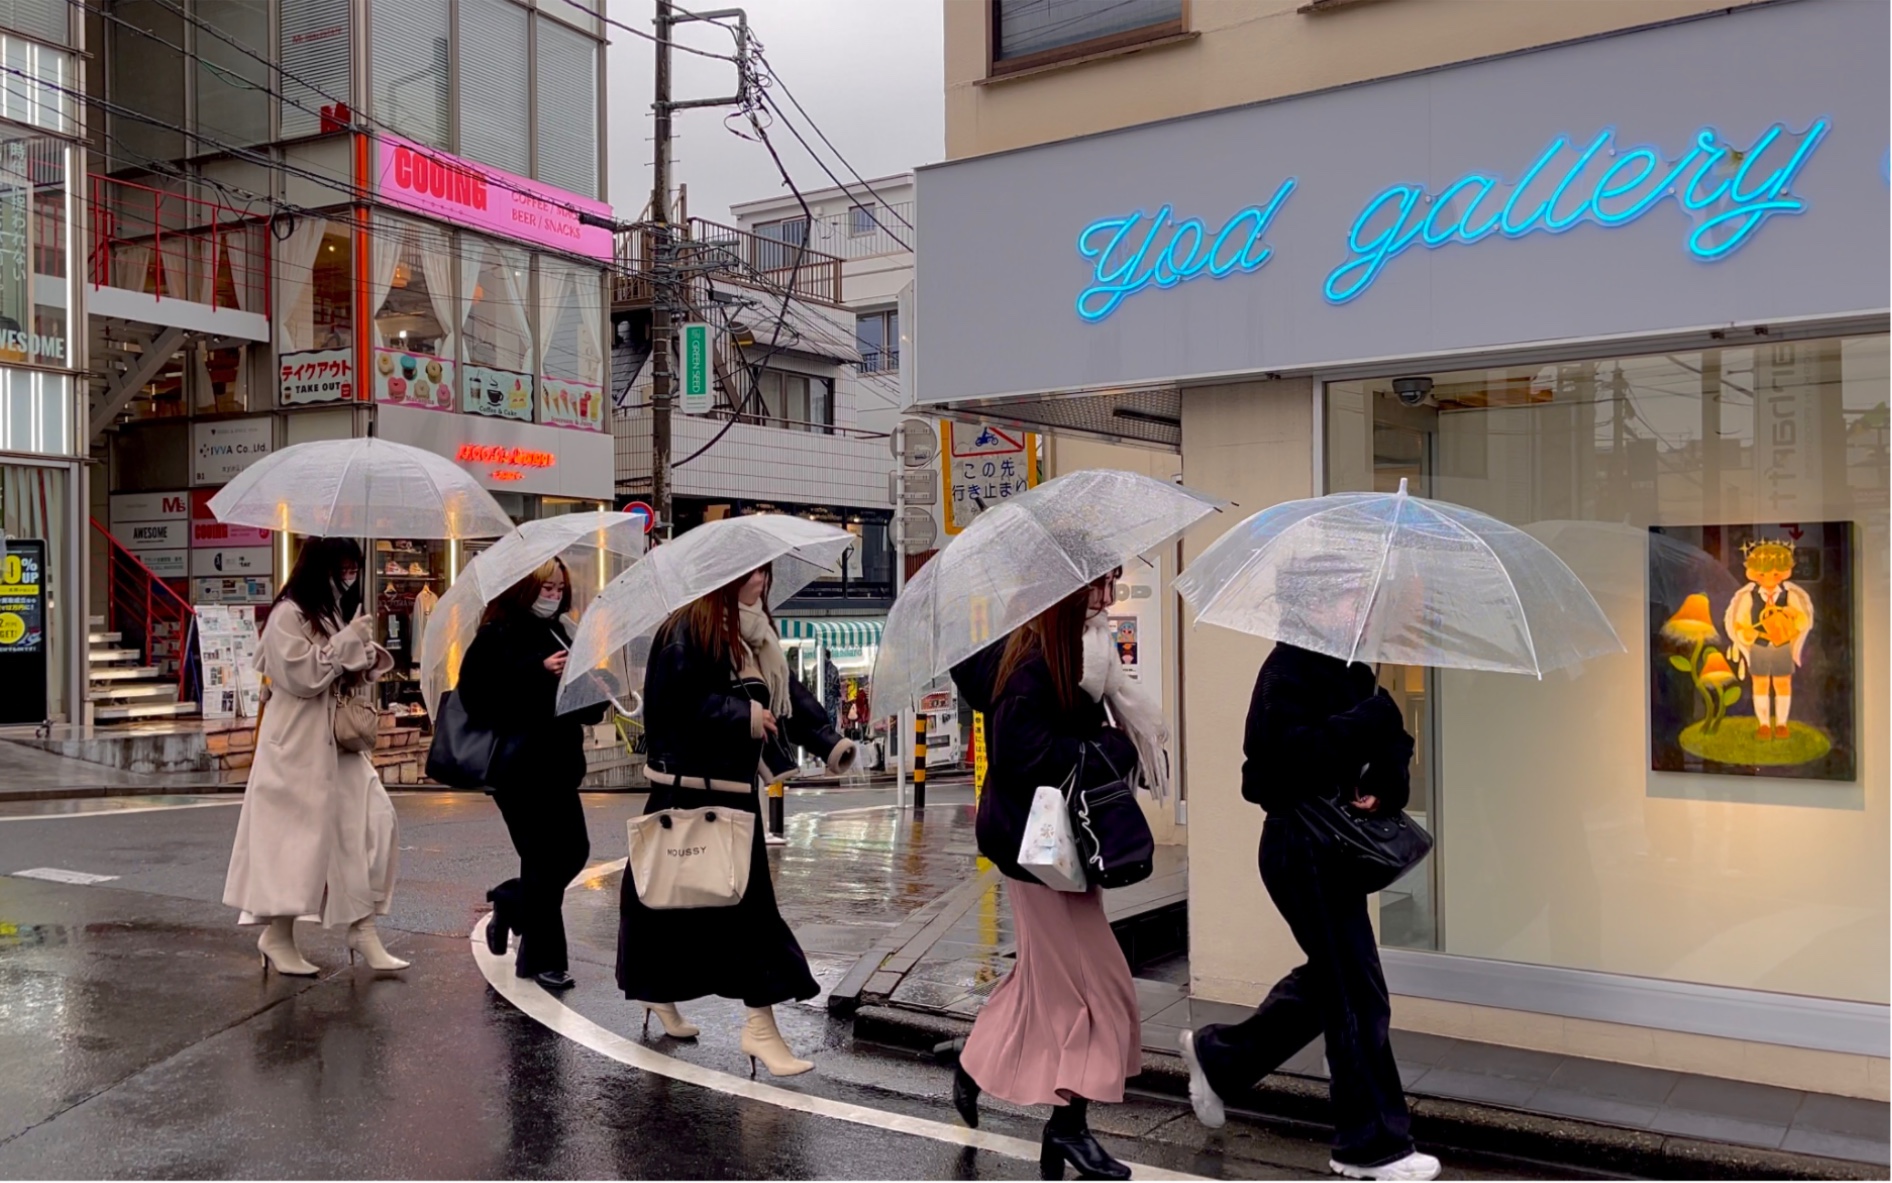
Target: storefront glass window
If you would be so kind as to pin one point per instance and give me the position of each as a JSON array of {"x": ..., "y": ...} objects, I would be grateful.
[
  {"x": 1629, "y": 816},
  {"x": 315, "y": 299},
  {"x": 498, "y": 350},
  {"x": 416, "y": 301},
  {"x": 33, "y": 514},
  {"x": 571, "y": 344},
  {"x": 34, "y": 296}
]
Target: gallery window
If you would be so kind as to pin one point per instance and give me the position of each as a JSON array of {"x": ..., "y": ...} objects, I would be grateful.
[{"x": 1728, "y": 510}]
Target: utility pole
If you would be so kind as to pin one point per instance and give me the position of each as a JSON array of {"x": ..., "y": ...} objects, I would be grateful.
[
  {"x": 662, "y": 277},
  {"x": 664, "y": 280}
]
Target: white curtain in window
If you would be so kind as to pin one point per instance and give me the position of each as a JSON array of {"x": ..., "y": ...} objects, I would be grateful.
[
  {"x": 295, "y": 283},
  {"x": 175, "y": 251},
  {"x": 588, "y": 293},
  {"x": 384, "y": 255},
  {"x": 134, "y": 266},
  {"x": 472, "y": 254},
  {"x": 513, "y": 296},
  {"x": 436, "y": 263},
  {"x": 553, "y": 281}
]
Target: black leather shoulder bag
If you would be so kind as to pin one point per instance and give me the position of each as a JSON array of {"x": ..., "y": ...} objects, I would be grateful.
[{"x": 1373, "y": 849}]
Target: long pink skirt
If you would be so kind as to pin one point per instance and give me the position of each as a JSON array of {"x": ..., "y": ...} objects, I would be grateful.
[{"x": 1064, "y": 1022}]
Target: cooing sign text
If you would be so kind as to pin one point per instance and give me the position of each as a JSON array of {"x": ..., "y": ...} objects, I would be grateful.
[{"x": 1727, "y": 194}]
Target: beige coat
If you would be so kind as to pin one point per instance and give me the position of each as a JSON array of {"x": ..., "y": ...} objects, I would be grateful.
[{"x": 317, "y": 834}]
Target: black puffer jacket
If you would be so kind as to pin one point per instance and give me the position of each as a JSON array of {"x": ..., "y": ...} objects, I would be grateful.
[
  {"x": 696, "y": 717},
  {"x": 1313, "y": 723},
  {"x": 505, "y": 687},
  {"x": 1034, "y": 741}
]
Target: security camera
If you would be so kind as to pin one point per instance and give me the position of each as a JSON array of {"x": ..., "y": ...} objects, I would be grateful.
[{"x": 1412, "y": 391}]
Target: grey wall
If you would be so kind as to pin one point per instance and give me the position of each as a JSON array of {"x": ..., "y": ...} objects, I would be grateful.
[{"x": 999, "y": 271}]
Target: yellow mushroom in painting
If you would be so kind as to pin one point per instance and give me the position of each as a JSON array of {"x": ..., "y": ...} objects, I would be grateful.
[
  {"x": 1715, "y": 670},
  {"x": 1692, "y": 623}
]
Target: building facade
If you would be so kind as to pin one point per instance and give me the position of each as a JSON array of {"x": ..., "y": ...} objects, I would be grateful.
[
  {"x": 338, "y": 218},
  {"x": 43, "y": 471},
  {"x": 1644, "y": 321}
]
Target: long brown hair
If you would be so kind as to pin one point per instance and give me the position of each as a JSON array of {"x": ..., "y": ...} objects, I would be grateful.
[
  {"x": 1056, "y": 634},
  {"x": 715, "y": 620},
  {"x": 515, "y": 603}
]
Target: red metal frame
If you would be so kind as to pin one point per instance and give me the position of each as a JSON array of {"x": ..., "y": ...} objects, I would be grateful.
[
  {"x": 205, "y": 240},
  {"x": 137, "y": 600}
]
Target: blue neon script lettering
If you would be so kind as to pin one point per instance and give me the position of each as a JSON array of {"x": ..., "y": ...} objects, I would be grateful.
[
  {"x": 1134, "y": 251},
  {"x": 1727, "y": 192}
]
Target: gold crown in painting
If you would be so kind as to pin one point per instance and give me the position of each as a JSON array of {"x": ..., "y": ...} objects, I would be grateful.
[{"x": 1769, "y": 553}]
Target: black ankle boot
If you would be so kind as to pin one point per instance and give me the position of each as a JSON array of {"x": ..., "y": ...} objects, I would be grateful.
[
  {"x": 1068, "y": 1138},
  {"x": 966, "y": 1097},
  {"x": 496, "y": 929}
]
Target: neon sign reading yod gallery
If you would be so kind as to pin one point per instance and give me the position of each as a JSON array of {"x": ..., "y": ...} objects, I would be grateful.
[
  {"x": 1728, "y": 193},
  {"x": 1133, "y": 252}
]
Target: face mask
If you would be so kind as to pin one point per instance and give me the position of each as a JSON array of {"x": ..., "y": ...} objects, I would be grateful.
[
  {"x": 348, "y": 582},
  {"x": 545, "y": 609}
]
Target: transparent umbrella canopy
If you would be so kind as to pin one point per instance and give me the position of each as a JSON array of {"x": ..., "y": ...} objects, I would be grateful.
[
  {"x": 1017, "y": 559},
  {"x": 621, "y": 622},
  {"x": 360, "y": 488},
  {"x": 1376, "y": 577},
  {"x": 595, "y": 548}
]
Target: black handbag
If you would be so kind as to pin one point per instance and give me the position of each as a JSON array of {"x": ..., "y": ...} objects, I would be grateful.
[
  {"x": 1113, "y": 837},
  {"x": 461, "y": 755},
  {"x": 1372, "y": 849}
]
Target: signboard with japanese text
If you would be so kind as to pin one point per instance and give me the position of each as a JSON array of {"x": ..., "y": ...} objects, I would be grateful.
[
  {"x": 316, "y": 376},
  {"x": 982, "y": 466},
  {"x": 23, "y": 632},
  {"x": 208, "y": 532}
]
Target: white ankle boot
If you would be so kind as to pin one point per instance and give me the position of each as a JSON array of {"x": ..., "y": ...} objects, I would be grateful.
[
  {"x": 672, "y": 1019},
  {"x": 278, "y": 947},
  {"x": 761, "y": 1041},
  {"x": 363, "y": 939}
]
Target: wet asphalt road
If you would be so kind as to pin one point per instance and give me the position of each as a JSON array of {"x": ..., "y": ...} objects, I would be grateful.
[{"x": 140, "y": 1037}]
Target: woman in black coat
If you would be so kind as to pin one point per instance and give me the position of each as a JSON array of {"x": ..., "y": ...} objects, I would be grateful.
[
  {"x": 1319, "y": 725},
  {"x": 719, "y": 702},
  {"x": 1062, "y": 1029},
  {"x": 509, "y": 684}
]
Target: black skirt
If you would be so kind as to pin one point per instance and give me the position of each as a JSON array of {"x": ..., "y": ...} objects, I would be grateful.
[{"x": 745, "y": 951}]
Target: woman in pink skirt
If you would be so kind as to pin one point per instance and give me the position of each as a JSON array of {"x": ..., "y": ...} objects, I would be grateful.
[{"x": 1062, "y": 1028}]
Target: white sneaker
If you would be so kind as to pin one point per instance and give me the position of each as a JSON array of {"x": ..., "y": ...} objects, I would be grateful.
[
  {"x": 1208, "y": 1106},
  {"x": 1413, "y": 1166}
]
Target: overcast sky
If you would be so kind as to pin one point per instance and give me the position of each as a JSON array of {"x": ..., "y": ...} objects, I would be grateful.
[{"x": 868, "y": 71}]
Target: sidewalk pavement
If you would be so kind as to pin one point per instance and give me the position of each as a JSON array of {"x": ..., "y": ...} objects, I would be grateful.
[
  {"x": 921, "y": 984},
  {"x": 33, "y": 774}
]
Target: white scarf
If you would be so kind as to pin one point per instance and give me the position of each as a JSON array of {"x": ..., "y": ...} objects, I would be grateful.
[
  {"x": 765, "y": 649},
  {"x": 1105, "y": 681}
]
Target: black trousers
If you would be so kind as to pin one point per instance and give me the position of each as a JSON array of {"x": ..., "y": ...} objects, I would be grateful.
[
  {"x": 1339, "y": 993},
  {"x": 548, "y": 831}
]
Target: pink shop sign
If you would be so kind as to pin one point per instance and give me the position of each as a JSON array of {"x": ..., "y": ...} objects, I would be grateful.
[{"x": 481, "y": 197}]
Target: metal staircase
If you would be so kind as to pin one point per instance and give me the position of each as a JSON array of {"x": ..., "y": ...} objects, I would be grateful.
[
  {"x": 143, "y": 651},
  {"x": 123, "y": 688}
]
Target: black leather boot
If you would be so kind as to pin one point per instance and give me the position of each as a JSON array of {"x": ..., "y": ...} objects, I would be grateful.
[
  {"x": 966, "y": 1097},
  {"x": 1068, "y": 1138}
]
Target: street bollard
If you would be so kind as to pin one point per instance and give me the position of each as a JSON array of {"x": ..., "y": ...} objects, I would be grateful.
[
  {"x": 919, "y": 760},
  {"x": 778, "y": 795}
]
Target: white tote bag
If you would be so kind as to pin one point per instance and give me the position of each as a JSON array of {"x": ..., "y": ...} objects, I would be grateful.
[
  {"x": 1049, "y": 850},
  {"x": 691, "y": 858}
]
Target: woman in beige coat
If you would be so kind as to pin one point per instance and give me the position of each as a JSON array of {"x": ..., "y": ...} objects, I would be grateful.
[{"x": 317, "y": 835}]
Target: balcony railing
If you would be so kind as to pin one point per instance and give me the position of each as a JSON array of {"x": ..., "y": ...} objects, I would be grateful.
[
  {"x": 704, "y": 252},
  {"x": 875, "y": 231},
  {"x": 177, "y": 247}
]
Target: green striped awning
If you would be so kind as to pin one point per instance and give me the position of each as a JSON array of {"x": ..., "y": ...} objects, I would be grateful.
[{"x": 833, "y": 633}]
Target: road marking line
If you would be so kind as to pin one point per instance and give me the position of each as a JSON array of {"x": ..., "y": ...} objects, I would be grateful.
[
  {"x": 103, "y": 810},
  {"x": 546, "y": 1009},
  {"x": 61, "y": 875}
]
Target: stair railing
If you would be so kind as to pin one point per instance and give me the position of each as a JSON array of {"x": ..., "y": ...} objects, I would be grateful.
[{"x": 144, "y": 610}]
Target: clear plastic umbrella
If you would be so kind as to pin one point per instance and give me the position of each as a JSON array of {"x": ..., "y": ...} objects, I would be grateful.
[
  {"x": 623, "y": 619},
  {"x": 1016, "y": 560},
  {"x": 360, "y": 488},
  {"x": 595, "y": 547},
  {"x": 1378, "y": 577}
]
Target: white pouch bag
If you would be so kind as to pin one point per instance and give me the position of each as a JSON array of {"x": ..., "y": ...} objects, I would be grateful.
[
  {"x": 1049, "y": 850},
  {"x": 691, "y": 858}
]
